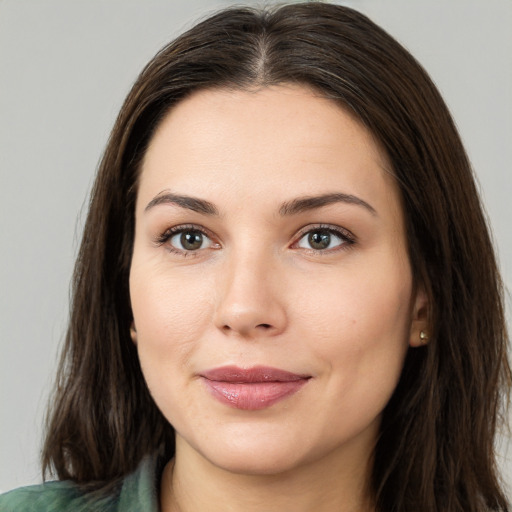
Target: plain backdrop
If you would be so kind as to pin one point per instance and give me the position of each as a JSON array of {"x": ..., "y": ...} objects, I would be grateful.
[{"x": 65, "y": 67}]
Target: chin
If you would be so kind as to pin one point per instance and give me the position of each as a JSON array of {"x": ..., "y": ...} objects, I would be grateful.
[
  {"x": 263, "y": 461},
  {"x": 248, "y": 451},
  {"x": 267, "y": 451}
]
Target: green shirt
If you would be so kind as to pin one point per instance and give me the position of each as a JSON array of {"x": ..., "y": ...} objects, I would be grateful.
[{"x": 138, "y": 493}]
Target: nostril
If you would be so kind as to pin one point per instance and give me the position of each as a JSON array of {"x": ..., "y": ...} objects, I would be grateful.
[{"x": 265, "y": 326}]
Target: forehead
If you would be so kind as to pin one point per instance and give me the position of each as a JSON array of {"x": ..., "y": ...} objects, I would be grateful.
[{"x": 280, "y": 140}]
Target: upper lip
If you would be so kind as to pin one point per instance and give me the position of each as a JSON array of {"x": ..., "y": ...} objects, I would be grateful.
[{"x": 254, "y": 374}]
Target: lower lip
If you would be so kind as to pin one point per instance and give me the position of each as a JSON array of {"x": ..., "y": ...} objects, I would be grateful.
[{"x": 252, "y": 396}]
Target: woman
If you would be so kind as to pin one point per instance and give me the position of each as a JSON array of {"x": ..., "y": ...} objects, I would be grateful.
[{"x": 286, "y": 296}]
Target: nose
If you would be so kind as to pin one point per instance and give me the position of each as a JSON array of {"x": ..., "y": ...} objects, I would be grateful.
[{"x": 251, "y": 299}]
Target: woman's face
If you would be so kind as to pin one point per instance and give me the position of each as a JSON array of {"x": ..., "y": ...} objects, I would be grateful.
[{"x": 270, "y": 283}]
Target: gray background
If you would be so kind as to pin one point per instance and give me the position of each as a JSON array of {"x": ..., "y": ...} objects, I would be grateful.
[{"x": 65, "y": 67}]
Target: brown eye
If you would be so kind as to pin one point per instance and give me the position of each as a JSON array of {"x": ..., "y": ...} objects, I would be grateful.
[
  {"x": 190, "y": 240},
  {"x": 321, "y": 239}
]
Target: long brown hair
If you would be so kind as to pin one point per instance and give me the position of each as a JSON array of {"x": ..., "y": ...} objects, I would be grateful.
[{"x": 435, "y": 451}]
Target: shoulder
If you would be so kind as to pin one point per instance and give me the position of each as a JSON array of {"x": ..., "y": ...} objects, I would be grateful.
[
  {"x": 137, "y": 491},
  {"x": 47, "y": 497}
]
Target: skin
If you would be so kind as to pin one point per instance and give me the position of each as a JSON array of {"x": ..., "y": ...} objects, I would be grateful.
[{"x": 256, "y": 293}]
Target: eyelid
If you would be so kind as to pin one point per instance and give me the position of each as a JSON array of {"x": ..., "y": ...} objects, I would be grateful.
[
  {"x": 166, "y": 235},
  {"x": 344, "y": 234}
]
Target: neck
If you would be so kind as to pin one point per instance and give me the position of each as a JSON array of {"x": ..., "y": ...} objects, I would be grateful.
[{"x": 191, "y": 483}]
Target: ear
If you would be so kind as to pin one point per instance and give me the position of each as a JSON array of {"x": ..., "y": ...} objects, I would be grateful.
[
  {"x": 133, "y": 333},
  {"x": 419, "y": 333}
]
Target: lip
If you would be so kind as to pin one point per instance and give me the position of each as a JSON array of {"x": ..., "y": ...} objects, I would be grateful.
[{"x": 253, "y": 388}]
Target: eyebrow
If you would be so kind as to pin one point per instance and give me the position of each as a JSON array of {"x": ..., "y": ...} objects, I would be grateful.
[
  {"x": 303, "y": 204},
  {"x": 190, "y": 203},
  {"x": 298, "y": 205}
]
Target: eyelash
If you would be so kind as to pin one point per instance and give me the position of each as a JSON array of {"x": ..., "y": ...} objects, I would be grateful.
[
  {"x": 176, "y": 230},
  {"x": 346, "y": 237}
]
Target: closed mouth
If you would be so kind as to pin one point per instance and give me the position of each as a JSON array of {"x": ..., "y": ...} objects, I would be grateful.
[{"x": 253, "y": 388}]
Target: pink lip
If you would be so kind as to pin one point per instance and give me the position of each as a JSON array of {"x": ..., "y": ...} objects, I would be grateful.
[{"x": 253, "y": 388}]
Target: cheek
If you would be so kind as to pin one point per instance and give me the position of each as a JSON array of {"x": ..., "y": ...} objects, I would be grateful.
[
  {"x": 367, "y": 302},
  {"x": 170, "y": 313},
  {"x": 360, "y": 324}
]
